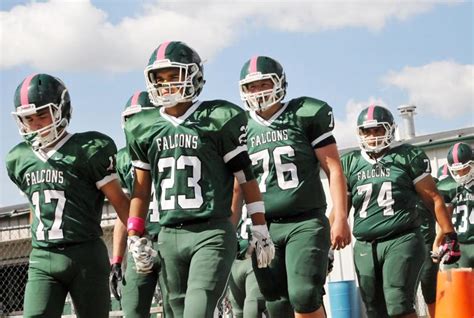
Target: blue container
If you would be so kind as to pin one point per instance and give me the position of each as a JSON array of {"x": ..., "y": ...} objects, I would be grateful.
[{"x": 344, "y": 299}]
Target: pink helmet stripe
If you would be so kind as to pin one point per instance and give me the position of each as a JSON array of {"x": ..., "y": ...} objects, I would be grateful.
[
  {"x": 24, "y": 90},
  {"x": 253, "y": 64},
  {"x": 455, "y": 153},
  {"x": 370, "y": 112},
  {"x": 445, "y": 170},
  {"x": 160, "y": 53},
  {"x": 135, "y": 96}
]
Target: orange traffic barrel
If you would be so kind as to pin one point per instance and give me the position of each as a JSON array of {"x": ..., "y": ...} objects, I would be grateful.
[{"x": 455, "y": 293}]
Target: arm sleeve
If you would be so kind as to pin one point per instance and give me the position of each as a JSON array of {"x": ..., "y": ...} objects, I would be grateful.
[
  {"x": 124, "y": 167},
  {"x": 233, "y": 143},
  {"x": 137, "y": 150},
  {"x": 345, "y": 163},
  {"x": 320, "y": 127},
  {"x": 419, "y": 166},
  {"x": 102, "y": 160}
]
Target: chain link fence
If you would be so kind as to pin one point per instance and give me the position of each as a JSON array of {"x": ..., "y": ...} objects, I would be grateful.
[{"x": 15, "y": 248}]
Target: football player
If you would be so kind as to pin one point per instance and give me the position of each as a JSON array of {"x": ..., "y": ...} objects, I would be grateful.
[
  {"x": 192, "y": 151},
  {"x": 385, "y": 183},
  {"x": 138, "y": 289},
  {"x": 460, "y": 198},
  {"x": 65, "y": 177},
  {"x": 244, "y": 295},
  {"x": 288, "y": 144}
]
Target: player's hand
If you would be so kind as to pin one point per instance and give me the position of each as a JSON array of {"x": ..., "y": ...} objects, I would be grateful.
[
  {"x": 114, "y": 279},
  {"x": 448, "y": 252},
  {"x": 262, "y": 244},
  {"x": 340, "y": 234},
  {"x": 142, "y": 252}
]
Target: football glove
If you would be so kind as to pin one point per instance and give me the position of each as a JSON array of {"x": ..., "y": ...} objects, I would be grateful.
[
  {"x": 143, "y": 253},
  {"x": 114, "y": 279},
  {"x": 448, "y": 252},
  {"x": 262, "y": 244}
]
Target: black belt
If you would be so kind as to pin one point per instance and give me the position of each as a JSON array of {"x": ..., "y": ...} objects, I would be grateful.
[
  {"x": 63, "y": 246},
  {"x": 299, "y": 217},
  {"x": 188, "y": 223}
]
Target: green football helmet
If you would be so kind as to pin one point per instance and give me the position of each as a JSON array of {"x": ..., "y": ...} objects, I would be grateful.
[
  {"x": 136, "y": 103},
  {"x": 34, "y": 94},
  {"x": 178, "y": 55},
  {"x": 261, "y": 68},
  {"x": 371, "y": 117},
  {"x": 443, "y": 172},
  {"x": 460, "y": 157}
]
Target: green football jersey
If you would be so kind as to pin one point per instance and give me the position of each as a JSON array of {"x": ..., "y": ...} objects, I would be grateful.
[
  {"x": 383, "y": 192},
  {"x": 125, "y": 170},
  {"x": 462, "y": 199},
  {"x": 63, "y": 186},
  {"x": 187, "y": 157},
  {"x": 447, "y": 188},
  {"x": 125, "y": 174},
  {"x": 283, "y": 158}
]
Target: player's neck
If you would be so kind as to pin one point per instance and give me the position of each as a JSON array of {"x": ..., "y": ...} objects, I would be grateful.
[
  {"x": 52, "y": 145},
  {"x": 377, "y": 155},
  {"x": 269, "y": 112},
  {"x": 179, "y": 109}
]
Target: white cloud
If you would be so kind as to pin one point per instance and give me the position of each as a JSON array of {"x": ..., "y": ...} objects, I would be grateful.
[
  {"x": 345, "y": 129},
  {"x": 75, "y": 35},
  {"x": 444, "y": 89}
]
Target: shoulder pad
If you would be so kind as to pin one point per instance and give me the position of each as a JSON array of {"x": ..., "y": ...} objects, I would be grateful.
[{"x": 307, "y": 106}]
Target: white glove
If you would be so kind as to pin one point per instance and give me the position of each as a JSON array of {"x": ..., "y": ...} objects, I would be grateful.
[
  {"x": 262, "y": 244},
  {"x": 142, "y": 252}
]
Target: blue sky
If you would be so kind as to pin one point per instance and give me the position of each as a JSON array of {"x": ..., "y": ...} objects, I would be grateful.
[{"x": 348, "y": 53}]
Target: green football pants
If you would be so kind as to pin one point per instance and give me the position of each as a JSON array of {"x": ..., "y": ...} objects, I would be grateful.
[
  {"x": 244, "y": 295},
  {"x": 196, "y": 263},
  {"x": 388, "y": 272},
  {"x": 298, "y": 271},
  {"x": 429, "y": 276},
  {"x": 80, "y": 269},
  {"x": 138, "y": 289}
]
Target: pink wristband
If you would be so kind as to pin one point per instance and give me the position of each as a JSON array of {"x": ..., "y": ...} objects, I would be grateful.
[
  {"x": 117, "y": 260},
  {"x": 136, "y": 224}
]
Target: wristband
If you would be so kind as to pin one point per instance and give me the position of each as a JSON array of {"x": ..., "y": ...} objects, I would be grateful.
[
  {"x": 136, "y": 224},
  {"x": 117, "y": 260},
  {"x": 255, "y": 207}
]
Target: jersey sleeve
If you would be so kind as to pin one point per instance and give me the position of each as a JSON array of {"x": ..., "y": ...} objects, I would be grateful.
[
  {"x": 124, "y": 166},
  {"x": 233, "y": 143},
  {"x": 137, "y": 148},
  {"x": 319, "y": 129},
  {"x": 447, "y": 188},
  {"x": 10, "y": 165},
  {"x": 101, "y": 160},
  {"x": 419, "y": 166},
  {"x": 345, "y": 163}
]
